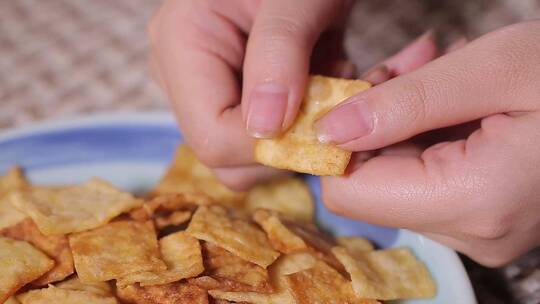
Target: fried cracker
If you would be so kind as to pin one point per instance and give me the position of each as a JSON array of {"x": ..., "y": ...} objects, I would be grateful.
[
  {"x": 63, "y": 296},
  {"x": 240, "y": 237},
  {"x": 171, "y": 293},
  {"x": 115, "y": 251},
  {"x": 62, "y": 210},
  {"x": 298, "y": 149}
]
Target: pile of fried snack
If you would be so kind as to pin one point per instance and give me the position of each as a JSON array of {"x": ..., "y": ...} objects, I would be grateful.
[{"x": 191, "y": 240}]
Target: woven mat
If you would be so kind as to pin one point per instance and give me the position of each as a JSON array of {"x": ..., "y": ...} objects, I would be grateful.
[
  {"x": 67, "y": 57},
  {"x": 64, "y": 57}
]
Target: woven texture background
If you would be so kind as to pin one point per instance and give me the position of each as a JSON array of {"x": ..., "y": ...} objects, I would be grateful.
[
  {"x": 67, "y": 57},
  {"x": 59, "y": 58}
]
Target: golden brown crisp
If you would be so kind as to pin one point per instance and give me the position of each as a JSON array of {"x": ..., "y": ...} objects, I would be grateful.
[
  {"x": 298, "y": 149},
  {"x": 13, "y": 180},
  {"x": 388, "y": 274},
  {"x": 188, "y": 175},
  {"x": 21, "y": 263},
  {"x": 56, "y": 295},
  {"x": 62, "y": 210},
  {"x": 181, "y": 253},
  {"x": 172, "y": 293},
  {"x": 289, "y": 196},
  {"x": 240, "y": 237},
  {"x": 233, "y": 273},
  {"x": 55, "y": 247},
  {"x": 323, "y": 284},
  {"x": 115, "y": 250}
]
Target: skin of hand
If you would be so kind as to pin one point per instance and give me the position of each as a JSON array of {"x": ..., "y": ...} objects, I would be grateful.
[
  {"x": 472, "y": 187},
  {"x": 204, "y": 53},
  {"x": 475, "y": 189}
]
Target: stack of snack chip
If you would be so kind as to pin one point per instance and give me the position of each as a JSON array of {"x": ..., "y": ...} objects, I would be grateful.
[{"x": 93, "y": 243}]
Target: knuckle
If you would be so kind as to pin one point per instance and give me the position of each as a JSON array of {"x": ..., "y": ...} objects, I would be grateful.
[
  {"x": 209, "y": 152},
  {"x": 236, "y": 183},
  {"x": 491, "y": 231},
  {"x": 283, "y": 30},
  {"x": 332, "y": 202}
]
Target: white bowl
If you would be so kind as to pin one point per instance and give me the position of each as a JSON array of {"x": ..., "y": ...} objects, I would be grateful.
[{"x": 132, "y": 151}]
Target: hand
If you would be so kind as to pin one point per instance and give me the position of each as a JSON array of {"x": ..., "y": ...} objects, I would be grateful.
[
  {"x": 479, "y": 193},
  {"x": 205, "y": 53}
]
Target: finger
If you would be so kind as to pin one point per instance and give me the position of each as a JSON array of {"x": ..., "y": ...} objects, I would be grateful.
[
  {"x": 448, "y": 182},
  {"x": 377, "y": 75},
  {"x": 155, "y": 73},
  {"x": 456, "y": 45},
  {"x": 419, "y": 52},
  {"x": 462, "y": 86},
  {"x": 243, "y": 178},
  {"x": 202, "y": 85},
  {"x": 277, "y": 61}
]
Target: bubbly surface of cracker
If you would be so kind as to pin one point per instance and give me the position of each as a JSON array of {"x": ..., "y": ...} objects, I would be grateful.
[
  {"x": 63, "y": 296},
  {"x": 13, "y": 180},
  {"x": 323, "y": 284},
  {"x": 172, "y": 293},
  {"x": 240, "y": 237},
  {"x": 387, "y": 274},
  {"x": 99, "y": 288},
  {"x": 62, "y": 210},
  {"x": 290, "y": 196},
  {"x": 115, "y": 250},
  {"x": 233, "y": 273},
  {"x": 182, "y": 255},
  {"x": 21, "y": 263},
  {"x": 281, "y": 238},
  {"x": 298, "y": 149},
  {"x": 55, "y": 247},
  {"x": 188, "y": 175}
]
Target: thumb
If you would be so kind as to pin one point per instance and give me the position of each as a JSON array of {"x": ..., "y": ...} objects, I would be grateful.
[
  {"x": 277, "y": 61},
  {"x": 462, "y": 86}
]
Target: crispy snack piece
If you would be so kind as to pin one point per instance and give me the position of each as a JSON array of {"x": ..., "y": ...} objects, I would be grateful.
[
  {"x": 98, "y": 288},
  {"x": 287, "y": 235},
  {"x": 240, "y": 237},
  {"x": 115, "y": 250},
  {"x": 63, "y": 296},
  {"x": 232, "y": 273},
  {"x": 63, "y": 210},
  {"x": 173, "y": 219},
  {"x": 11, "y": 300},
  {"x": 169, "y": 209},
  {"x": 298, "y": 149},
  {"x": 281, "y": 238},
  {"x": 323, "y": 284},
  {"x": 388, "y": 274},
  {"x": 172, "y": 293},
  {"x": 355, "y": 245},
  {"x": 181, "y": 253},
  {"x": 21, "y": 263},
  {"x": 285, "y": 265},
  {"x": 12, "y": 181},
  {"x": 289, "y": 196},
  {"x": 56, "y": 247},
  {"x": 188, "y": 175}
]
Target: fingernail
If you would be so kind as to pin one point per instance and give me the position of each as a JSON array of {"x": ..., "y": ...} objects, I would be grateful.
[
  {"x": 267, "y": 106},
  {"x": 377, "y": 74},
  {"x": 346, "y": 122}
]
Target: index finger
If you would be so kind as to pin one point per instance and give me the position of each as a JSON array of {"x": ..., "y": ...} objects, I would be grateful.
[{"x": 199, "y": 72}]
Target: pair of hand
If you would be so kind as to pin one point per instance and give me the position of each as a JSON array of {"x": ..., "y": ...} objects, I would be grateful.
[{"x": 449, "y": 148}]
